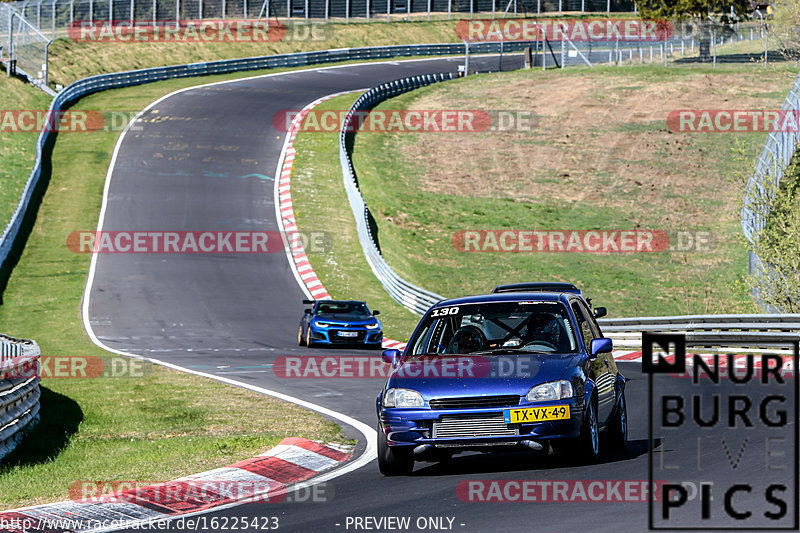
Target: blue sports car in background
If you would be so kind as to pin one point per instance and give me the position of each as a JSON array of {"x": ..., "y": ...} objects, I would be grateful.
[
  {"x": 330, "y": 322},
  {"x": 524, "y": 367}
]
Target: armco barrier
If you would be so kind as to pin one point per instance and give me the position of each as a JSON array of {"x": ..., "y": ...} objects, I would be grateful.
[
  {"x": 708, "y": 330},
  {"x": 19, "y": 391},
  {"x": 101, "y": 82},
  {"x": 406, "y": 294}
]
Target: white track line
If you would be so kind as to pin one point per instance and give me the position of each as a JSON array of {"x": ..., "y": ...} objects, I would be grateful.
[{"x": 369, "y": 433}]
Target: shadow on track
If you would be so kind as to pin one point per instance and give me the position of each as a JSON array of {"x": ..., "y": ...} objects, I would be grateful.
[{"x": 522, "y": 461}]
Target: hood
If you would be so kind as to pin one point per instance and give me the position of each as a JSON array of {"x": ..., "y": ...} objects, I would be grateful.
[{"x": 475, "y": 375}]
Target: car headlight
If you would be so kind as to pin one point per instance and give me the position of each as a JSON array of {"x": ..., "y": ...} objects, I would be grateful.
[
  {"x": 321, "y": 324},
  {"x": 376, "y": 325},
  {"x": 402, "y": 398},
  {"x": 555, "y": 390}
]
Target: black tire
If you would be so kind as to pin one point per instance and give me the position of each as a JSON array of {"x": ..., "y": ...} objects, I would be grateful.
[
  {"x": 589, "y": 442},
  {"x": 394, "y": 461},
  {"x": 300, "y": 340},
  {"x": 618, "y": 432}
]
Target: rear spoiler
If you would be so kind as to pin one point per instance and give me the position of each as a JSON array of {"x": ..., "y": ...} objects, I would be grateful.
[{"x": 309, "y": 302}]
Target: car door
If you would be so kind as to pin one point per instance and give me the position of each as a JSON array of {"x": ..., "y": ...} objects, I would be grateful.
[{"x": 603, "y": 370}]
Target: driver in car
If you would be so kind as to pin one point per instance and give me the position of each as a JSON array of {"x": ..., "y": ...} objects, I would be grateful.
[{"x": 545, "y": 329}]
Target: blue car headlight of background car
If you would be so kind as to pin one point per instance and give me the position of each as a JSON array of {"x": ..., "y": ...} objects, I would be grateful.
[
  {"x": 554, "y": 390},
  {"x": 376, "y": 325},
  {"x": 402, "y": 398}
]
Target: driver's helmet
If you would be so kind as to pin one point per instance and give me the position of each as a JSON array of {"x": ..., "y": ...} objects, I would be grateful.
[
  {"x": 466, "y": 340},
  {"x": 543, "y": 327}
]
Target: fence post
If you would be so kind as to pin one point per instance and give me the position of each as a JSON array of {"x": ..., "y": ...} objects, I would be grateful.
[
  {"x": 714, "y": 38},
  {"x": 449, "y": 8},
  {"x": 429, "y": 9}
]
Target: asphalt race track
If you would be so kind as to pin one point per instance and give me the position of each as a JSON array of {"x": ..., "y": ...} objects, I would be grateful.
[{"x": 204, "y": 159}]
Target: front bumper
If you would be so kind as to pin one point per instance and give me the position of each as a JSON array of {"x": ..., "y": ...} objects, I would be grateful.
[
  {"x": 414, "y": 427},
  {"x": 353, "y": 335}
]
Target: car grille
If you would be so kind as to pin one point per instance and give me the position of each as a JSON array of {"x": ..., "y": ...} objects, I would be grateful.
[
  {"x": 471, "y": 402},
  {"x": 468, "y": 426}
]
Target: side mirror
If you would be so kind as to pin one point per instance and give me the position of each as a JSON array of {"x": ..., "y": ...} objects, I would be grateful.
[
  {"x": 376, "y": 313},
  {"x": 307, "y": 311},
  {"x": 600, "y": 312},
  {"x": 600, "y": 346},
  {"x": 391, "y": 356}
]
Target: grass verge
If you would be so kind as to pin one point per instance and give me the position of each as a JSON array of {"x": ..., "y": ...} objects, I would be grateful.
[
  {"x": 72, "y": 59},
  {"x": 320, "y": 204},
  {"x": 600, "y": 157},
  {"x": 17, "y": 149},
  {"x": 155, "y": 427}
]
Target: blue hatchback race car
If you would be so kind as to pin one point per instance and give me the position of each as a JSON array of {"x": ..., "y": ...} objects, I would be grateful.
[
  {"x": 524, "y": 367},
  {"x": 330, "y": 322}
]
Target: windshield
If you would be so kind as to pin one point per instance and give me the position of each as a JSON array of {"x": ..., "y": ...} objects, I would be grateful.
[
  {"x": 342, "y": 308},
  {"x": 542, "y": 327}
]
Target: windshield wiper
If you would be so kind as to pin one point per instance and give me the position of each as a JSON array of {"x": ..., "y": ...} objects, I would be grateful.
[{"x": 510, "y": 351}]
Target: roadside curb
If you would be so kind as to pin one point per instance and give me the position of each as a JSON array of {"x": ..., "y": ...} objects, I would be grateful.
[
  {"x": 304, "y": 273},
  {"x": 265, "y": 478}
]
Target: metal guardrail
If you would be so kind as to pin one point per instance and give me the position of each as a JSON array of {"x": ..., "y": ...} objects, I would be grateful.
[
  {"x": 708, "y": 330},
  {"x": 102, "y": 82},
  {"x": 19, "y": 391},
  {"x": 410, "y": 296}
]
